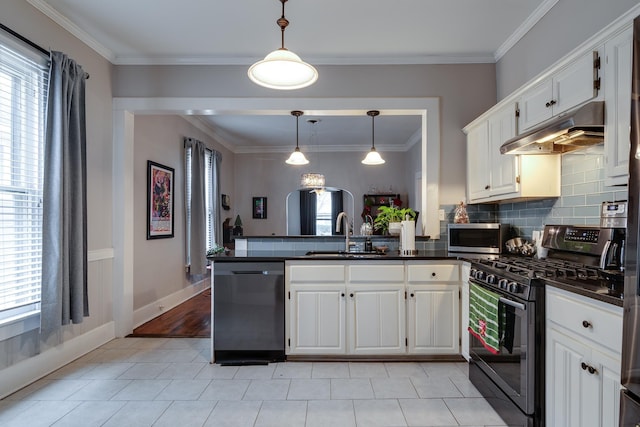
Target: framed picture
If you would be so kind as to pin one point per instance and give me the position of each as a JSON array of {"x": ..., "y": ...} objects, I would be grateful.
[
  {"x": 260, "y": 207},
  {"x": 159, "y": 201},
  {"x": 226, "y": 202}
]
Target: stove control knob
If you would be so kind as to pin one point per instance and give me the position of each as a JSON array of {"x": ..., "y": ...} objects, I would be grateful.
[
  {"x": 491, "y": 279},
  {"x": 502, "y": 283},
  {"x": 473, "y": 272},
  {"x": 514, "y": 287},
  {"x": 480, "y": 275}
]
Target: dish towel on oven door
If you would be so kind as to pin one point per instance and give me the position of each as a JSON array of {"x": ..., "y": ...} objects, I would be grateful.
[{"x": 484, "y": 318}]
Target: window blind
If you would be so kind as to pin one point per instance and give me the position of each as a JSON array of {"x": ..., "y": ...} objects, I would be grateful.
[
  {"x": 23, "y": 86},
  {"x": 209, "y": 202}
]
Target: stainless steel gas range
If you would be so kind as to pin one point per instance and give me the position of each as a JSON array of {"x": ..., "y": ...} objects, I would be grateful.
[{"x": 507, "y": 345}]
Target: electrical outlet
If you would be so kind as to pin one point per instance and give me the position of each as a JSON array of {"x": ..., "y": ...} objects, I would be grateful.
[{"x": 441, "y": 214}]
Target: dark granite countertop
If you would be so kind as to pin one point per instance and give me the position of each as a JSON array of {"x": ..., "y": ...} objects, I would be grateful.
[
  {"x": 600, "y": 291},
  {"x": 252, "y": 256}
]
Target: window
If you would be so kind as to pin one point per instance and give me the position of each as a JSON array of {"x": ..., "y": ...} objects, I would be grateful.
[
  {"x": 324, "y": 222},
  {"x": 209, "y": 199},
  {"x": 23, "y": 85}
]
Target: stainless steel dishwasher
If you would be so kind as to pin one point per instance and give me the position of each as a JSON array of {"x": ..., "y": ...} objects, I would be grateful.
[{"x": 248, "y": 312}]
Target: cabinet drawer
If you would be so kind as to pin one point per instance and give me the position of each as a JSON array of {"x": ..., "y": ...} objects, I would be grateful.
[
  {"x": 591, "y": 319},
  {"x": 371, "y": 273},
  {"x": 433, "y": 273},
  {"x": 317, "y": 273}
]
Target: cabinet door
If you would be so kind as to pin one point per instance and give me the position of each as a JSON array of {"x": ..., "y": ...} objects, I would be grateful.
[
  {"x": 574, "y": 84},
  {"x": 534, "y": 105},
  {"x": 503, "y": 168},
  {"x": 317, "y": 314},
  {"x": 609, "y": 377},
  {"x": 478, "y": 170},
  {"x": 617, "y": 82},
  {"x": 376, "y": 319},
  {"x": 432, "y": 319},
  {"x": 572, "y": 394}
]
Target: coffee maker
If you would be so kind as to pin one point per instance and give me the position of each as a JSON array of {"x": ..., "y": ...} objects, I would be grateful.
[{"x": 613, "y": 216}]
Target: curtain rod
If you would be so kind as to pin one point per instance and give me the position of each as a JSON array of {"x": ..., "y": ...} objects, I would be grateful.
[{"x": 27, "y": 41}]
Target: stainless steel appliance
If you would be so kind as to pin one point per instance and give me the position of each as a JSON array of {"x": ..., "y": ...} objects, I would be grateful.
[
  {"x": 248, "y": 312},
  {"x": 512, "y": 379},
  {"x": 630, "y": 398},
  {"x": 487, "y": 238},
  {"x": 614, "y": 214},
  {"x": 576, "y": 129}
]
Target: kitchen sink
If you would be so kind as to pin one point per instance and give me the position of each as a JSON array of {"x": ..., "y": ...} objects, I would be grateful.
[{"x": 344, "y": 254}]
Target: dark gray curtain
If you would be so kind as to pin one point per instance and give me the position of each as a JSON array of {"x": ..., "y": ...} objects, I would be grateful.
[
  {"x": 196, "y": 236},
  {"x": 307, "y": 213},
  {"x": 64, "y": 240},
  {"x": 217, "y": 214},
  {"x": 336, "y": 208}
]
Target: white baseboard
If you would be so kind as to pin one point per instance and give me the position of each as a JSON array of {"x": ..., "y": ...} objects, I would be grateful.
[
  {"x": 29, "y": 370},
  {"x": 158, "y": 307}
]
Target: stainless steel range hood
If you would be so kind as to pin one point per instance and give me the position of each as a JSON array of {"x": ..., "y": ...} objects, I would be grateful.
[{"x": 576, "y": 129}]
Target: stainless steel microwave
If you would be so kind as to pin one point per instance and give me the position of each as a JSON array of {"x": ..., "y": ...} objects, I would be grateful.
[{"x": 483, "y": 238}]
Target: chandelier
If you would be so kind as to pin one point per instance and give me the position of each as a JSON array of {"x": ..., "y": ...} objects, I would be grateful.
[{"x": 312, "y": 180}]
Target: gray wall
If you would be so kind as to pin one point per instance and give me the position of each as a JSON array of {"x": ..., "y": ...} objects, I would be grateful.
[
  {"x": 159, "y": 263},
  {"x": 566, "y": 26},
  {"x": 268, "y": 175},
  {"x": 465, "y": 92}
]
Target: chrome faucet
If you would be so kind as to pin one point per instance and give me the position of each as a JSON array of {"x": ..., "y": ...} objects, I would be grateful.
[{"x": 342, "y": 215}]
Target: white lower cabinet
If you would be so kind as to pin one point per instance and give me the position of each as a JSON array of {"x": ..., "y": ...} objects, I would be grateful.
[
  {"x": 433, "y": 307},
  {"x": 582, "y": 361},
  {"x": 320, "y": 313},
  {"x": 372, "y": 308}
]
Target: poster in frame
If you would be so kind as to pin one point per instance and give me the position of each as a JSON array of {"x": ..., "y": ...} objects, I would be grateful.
[
  {"x": 260, "y": 207},
  {"x": 160, "y": 215}
]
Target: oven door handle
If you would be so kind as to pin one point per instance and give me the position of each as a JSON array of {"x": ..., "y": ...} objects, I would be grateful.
[{"x": 513, "y": 303}]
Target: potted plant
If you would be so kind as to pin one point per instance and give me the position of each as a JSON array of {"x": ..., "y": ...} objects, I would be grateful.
[{"x": 389, "y": 215}]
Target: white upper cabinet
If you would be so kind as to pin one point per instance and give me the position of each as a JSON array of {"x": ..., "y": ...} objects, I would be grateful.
[
  {"x": 569, "y": 87},
  {"x": 617, "y": 64},
  {"x": 492, "y": 176},
  {"x": 490, "y": 173}
]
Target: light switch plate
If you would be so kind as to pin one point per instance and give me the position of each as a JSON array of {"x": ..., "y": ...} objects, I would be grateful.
[{"x": 441, "y": 214}]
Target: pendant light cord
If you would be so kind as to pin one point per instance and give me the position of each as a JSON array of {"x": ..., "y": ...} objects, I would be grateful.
[
  {"x": 373, "y": 132},
  {"x": 282, "y": 23}
]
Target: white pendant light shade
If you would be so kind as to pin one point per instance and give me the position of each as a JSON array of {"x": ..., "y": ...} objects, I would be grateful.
[
  {"x": 284, "y": 70},
  {"x": 373, "y": 158},
  {"x": 297, "y": 158}
]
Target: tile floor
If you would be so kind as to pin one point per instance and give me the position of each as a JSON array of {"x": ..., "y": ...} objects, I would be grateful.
[{"x": 168, "y": 382}]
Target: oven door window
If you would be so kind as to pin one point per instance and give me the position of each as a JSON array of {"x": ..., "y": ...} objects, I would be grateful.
[{"x": 510, "y": 368}]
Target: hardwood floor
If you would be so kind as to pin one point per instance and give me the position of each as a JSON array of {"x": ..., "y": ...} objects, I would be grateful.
[{"x": 191, "y": 319}]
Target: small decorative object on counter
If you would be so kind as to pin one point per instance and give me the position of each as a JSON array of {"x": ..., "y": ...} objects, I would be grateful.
[
  {"x": 368, "y": 245},
  {"x": 237, "y": 229},
  {"x": 460, "y": 215}
]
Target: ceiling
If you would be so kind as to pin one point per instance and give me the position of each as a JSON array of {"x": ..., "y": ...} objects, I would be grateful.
[{"x": 322, "y": 32}]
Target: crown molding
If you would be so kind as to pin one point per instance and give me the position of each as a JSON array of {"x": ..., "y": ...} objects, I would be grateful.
[
  {"x": 527, "y": 25},
  {"x": 65, "y": 23}
]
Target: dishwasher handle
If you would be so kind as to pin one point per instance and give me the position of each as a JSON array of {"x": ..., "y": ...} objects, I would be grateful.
[{"x": 254, "y": 272}]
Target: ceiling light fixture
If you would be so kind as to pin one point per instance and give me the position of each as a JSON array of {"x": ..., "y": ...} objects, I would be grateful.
[
  {"x": 314, "y": 181},
  {"x": 373, "y": 157},
  {"x": 297, "y": 158},
  {"x": 283, "y": 69}
]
